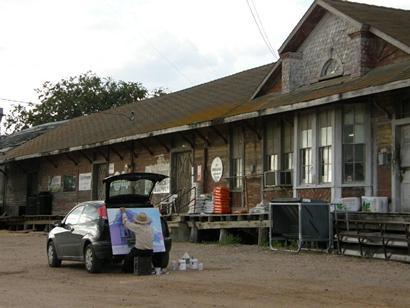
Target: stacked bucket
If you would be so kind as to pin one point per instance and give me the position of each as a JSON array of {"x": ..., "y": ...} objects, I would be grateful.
[{"x": 221, "y": 200}]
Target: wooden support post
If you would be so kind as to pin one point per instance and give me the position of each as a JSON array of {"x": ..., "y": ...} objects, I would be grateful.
[
  {"x": 203, "y": 137},
  {"x": 180, "y": 232},
  {"x": 86, "y": 157},
  {"x": 220, "y": 134},
  {"x": 105, "y": 156},
  {"x": 194, "y": 233},
  {"x": 117, "y": 153},
  {"x": 191, "y": 143},
  {"x": 223, "y": 233},
  {"x": 146, "y": 147},
  {"x": 51, "y": 162},
  {"x": 262, "y": 236},
  {"x": 253, "y": 129},
  {"x": 162, "y": 144},
  {"x": 71, "y": 159}
]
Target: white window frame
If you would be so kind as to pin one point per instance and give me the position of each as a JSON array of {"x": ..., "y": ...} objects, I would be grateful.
[
  {"x": 236, "y": 179},
  {"x": 315, "y": 151},
  {"x": 280, "y": 151},
  {"x": 338, "y": 154},
  {"x": 310, "y": 117}
]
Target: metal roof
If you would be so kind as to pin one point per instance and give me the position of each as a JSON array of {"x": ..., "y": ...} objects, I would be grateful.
[
  {"x": 391, "y": 21},
  {"x": 8, "y": 142},
  {"x": 205, "y": 102},
  {"x": 224, "y": 100}
]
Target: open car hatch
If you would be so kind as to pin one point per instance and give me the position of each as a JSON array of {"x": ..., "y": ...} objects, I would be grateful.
[{"x": 130, "y": 189}]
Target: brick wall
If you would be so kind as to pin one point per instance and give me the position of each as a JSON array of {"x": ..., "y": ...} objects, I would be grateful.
[
  {"x": 323, "y": 194},
  {"x": 329, "y": 39}
]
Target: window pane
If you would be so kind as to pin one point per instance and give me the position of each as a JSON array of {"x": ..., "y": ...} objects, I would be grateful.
[
  {"x": 89, "y": 214},
  {"x": 359, "y": 114},
  {"x": 348, "y": 172},
  {"x": 323, "y": 136},
  {"x": 325, "y": 161},
  {"x": 287, "y": 140},
  {"x": 287, "y": 161},
  {"x": 272, "y": 163},
  {"x": 237, "y": 143},
  {"x": 358, "y": 172},
  {"x": 73, "y": 217},
  {"x": 347, "y": 153},
  {"x": 329, "y": 136},
  {"x": 359, "y": 133},
  {"x": 348, "y": 134},
  {"x": 348, "y": 118},
  {"x": 306, "y": 166},
  {"x": 359, "y": 153}
]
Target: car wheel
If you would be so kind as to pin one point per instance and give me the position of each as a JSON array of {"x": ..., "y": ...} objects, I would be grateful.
[
  {"x": 92, "y": 263},
  {"x": 53, "y": 260}
]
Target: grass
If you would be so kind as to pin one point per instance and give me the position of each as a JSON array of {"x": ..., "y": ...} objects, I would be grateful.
[{"x": 230, "y": 239}]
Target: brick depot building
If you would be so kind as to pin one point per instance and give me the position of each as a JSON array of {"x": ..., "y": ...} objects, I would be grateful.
[{"x": 330, "y": 119}]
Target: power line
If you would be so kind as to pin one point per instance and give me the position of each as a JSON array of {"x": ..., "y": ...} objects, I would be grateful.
[
  {"x": 260, "y": 27},
  {"x": 172, "y": 64},
  {"x": 15, "y": 101}
]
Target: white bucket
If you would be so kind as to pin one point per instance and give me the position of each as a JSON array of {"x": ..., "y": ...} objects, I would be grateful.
[
  {"x": 182, "y": 264},
  {"x": 375, "y": 204},
  {"x": 349, "y": 204},
  {"x": 194, "y": 264}
]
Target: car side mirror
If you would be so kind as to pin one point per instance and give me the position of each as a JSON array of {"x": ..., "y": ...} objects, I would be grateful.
[{"x": 58, "y": 223}]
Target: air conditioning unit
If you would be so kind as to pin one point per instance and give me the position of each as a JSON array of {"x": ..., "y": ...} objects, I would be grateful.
[
  {"x": 285, "y": 178},
  {"x": 271, "y": 178}
]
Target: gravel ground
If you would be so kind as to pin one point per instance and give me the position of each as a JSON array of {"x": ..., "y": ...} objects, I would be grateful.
[{"x": 233, "y": 276}]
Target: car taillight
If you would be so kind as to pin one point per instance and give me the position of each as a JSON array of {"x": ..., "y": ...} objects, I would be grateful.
[{"x": 102, "y": 212}]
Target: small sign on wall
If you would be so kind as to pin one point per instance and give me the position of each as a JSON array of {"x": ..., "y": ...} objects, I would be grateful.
[
  {"x": 111, "y": 169},
  {"x": 161, "y": 167},
  {"x": 69, "y": 183},
  {"x": 217, "y": 169},
  {"x": 54, "y": 183},
  {"x": 84, "y": 181}
]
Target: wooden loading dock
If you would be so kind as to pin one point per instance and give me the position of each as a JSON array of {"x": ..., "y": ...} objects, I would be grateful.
[
  {"x": 188, "y": 226},
  {"x": 29, "y": 222}
]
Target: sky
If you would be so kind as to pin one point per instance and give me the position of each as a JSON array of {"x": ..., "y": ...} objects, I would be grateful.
[{"x": 170, "y": 44}]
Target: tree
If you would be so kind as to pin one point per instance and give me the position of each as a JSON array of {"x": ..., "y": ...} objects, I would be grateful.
[{"x": 74, "y": 97}]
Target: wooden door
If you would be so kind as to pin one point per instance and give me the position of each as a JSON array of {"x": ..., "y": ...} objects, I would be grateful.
[
  {"x": 100, "y": 171},
  {"x": 181, "y": 179}
]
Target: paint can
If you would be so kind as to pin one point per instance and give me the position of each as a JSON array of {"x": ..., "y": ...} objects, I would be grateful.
[
  {"x": 182, "y": 264},
  {"x": 194, "y": 264},
  {"x": 157, "y": 271}
]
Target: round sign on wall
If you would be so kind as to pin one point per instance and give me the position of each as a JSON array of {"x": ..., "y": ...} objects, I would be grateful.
[{"x": 217, "y": 169}]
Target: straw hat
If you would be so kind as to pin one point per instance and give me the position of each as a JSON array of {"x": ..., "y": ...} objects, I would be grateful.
[{"x": 142, "y": 218}]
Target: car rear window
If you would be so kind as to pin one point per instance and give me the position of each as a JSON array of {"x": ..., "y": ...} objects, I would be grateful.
[{"x": 140, "y": 187}]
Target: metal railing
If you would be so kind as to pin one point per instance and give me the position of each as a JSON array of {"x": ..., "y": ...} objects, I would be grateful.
[{"x": 172, "y": 203}]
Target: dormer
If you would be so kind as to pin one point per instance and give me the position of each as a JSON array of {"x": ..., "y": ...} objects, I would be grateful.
[{"x": 338, "y": 39}]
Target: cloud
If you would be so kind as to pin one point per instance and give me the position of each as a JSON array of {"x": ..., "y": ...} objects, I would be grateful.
[{"x": 154, "y": 42}]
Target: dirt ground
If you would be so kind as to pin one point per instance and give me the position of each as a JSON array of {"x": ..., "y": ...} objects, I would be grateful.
[{"x": 233, "y": 276}]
